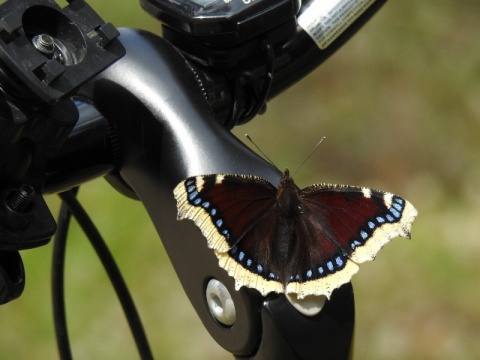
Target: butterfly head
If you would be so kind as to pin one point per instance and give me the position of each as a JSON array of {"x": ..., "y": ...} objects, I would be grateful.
[{"x": 286, "y": 179}]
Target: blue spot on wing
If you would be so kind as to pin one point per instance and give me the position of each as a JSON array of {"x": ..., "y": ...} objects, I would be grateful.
[
  {"x": 395, "y": 213},
  {"x": 339, "y": 261},
  {"x": 192, "y": 195},
  {"x": 330, "y": 265},
  {"x": 355, "y": 244},
  {"x": 398, "y": 206}
]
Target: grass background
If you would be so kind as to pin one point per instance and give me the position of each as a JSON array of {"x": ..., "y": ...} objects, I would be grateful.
[{"x": 400, "y": 107}]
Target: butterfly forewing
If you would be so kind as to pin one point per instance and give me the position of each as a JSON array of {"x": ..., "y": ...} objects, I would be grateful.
[
  {"x": 224, "y": 207},
  {"x": 359, "y": 220}
]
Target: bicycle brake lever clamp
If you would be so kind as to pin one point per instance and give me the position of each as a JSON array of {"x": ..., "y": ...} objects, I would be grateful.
[{"x": 52, "y": 50}]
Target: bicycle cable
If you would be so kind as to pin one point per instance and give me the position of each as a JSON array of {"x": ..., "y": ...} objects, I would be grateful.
[
  {"x": 71, "y": 206},
  {"x": 58, "y": 289}
]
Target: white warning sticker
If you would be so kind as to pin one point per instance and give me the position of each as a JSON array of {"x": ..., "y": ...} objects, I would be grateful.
[{"x": 325, "y": 20}]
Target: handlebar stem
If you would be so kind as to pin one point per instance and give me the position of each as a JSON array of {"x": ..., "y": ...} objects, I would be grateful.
[{"x": 167, "y": 132}]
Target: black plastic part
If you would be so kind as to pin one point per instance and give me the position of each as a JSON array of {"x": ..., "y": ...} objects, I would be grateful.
[
  {"x": 12, "y": 120},
  {"x": 91, "y": 151},
  {"x": 25, "y": 220},
  {"x": 168, "y": 132},
  {"x": 12, "y": 276},
  {"x": 85, "y": 45},
  {"x": 231, "y": 56},
  {"x": 50, "y": 125},
  {"x": 24, "y": 229},
  {"x": 295, "y": 57},
  {"x": 222, "y": 23}
]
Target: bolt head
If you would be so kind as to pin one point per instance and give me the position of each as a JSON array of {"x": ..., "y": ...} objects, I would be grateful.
[
  {"x": 220, "y": 303},
  {"x": 44, "y": 43}
]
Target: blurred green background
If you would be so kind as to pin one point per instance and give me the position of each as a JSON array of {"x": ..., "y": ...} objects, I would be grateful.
[{"x": 400, "y": 108}]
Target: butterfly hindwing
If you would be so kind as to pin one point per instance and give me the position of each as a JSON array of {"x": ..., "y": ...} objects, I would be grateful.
[
  {"x": 349, "y": 226},
  {"x": 249, "y": 261},
  {"x": 322, "y": 265}
]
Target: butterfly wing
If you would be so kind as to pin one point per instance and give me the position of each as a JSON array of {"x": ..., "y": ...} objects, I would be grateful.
[
  {"x": 336, "y": 228},
  {"x": 234, "y": 213},
  {"x": 224, "y": 207},
  {"x": 339, "y": 227},
  {"x": 250, "y": 261}
]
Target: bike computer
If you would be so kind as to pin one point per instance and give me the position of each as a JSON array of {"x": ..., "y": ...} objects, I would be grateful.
[{"x": 215, "y": 21}]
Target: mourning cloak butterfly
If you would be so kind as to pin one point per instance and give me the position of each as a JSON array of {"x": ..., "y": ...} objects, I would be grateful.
[{"x": 306, "y": 242}]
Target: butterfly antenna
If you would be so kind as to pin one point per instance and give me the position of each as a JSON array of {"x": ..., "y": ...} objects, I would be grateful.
[
  {"x": 308, "y": 156},
  {"x": 260, "y": 150}
]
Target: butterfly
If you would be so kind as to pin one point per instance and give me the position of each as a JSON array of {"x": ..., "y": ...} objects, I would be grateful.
[{"x": 288, "y": 240}]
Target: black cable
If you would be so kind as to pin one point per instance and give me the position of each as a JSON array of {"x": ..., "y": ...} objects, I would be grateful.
[
  {"x": 58, "y": 290},
  {"x": 113, "y": 272}
]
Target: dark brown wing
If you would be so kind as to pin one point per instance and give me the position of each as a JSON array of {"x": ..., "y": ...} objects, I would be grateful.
[
  {"x": 235, "y": 214},
  {"x": 224, "y": 207},
  {"x": 339, "y": 227}
]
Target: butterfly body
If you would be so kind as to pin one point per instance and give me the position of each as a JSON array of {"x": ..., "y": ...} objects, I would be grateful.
[
  {"x": 303, "y": 241},
  {"x": 287, "y": 197}
]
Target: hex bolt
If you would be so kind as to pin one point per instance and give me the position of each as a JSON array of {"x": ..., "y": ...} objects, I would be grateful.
[
  {"x": 17, "y": 207},
  {"x": 22, "y": 197},
  {"x": 220, "y": 303},
  {"x": 44, "y": 43}
]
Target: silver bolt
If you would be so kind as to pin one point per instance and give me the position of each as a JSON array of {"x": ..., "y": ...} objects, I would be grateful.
[
  {"x": 44, "y": 43},
  {"x": 220, "y": 303}
]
